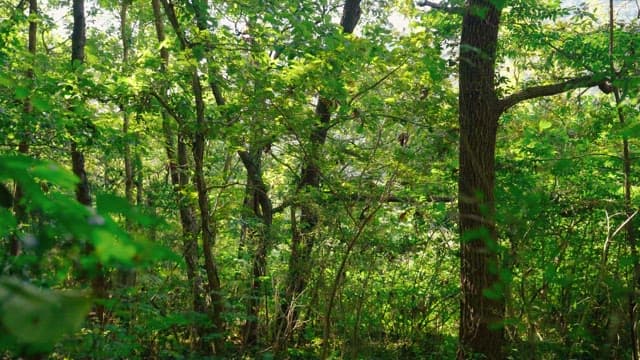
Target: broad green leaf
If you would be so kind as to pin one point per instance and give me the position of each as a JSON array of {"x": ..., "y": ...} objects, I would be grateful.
[
  {"x": 39, "y": 317},
  {"x": 7, "y": 222},
  {"x": 111, "y": 248},
  {"x": 21, "y": 92},
  {"x": 55, "y": 174},
  {"x": 544, "y": 125},
  {"x": 41, "y": 103}
]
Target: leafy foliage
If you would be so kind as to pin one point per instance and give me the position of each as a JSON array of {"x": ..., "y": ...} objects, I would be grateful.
[{"x": 361, "y": 261}]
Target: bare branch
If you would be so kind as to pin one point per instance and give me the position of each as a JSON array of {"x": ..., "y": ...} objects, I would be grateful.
[
  {"x": 375, "y": 84},
  {"x": 356, "y": 197},
  {"x": 549, "y": 90},
  {"x": 170, "y": 110},
  {"x": 441, "y": 7}
]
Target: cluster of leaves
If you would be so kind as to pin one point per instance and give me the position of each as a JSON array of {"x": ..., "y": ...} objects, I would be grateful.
[{"x": 385, "y": 205}]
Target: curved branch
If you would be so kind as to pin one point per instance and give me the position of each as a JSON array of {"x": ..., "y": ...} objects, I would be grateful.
[
  {"x": 548, "y": 90},
  {"x": 441, "y": 7}
]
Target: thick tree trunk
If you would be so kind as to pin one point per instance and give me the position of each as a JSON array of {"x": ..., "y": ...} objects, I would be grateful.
[
  {"x": 482, "y": 303},
  {"x": 78, "y": 36}
]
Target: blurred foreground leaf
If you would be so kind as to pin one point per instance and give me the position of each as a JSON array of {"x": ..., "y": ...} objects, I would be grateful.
[{"x": 37, "y": 318}]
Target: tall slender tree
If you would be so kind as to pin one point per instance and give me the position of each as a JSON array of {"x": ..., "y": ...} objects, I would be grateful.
[
  {"x": 199, "y": 136},
  {"x": 176, "y": 149},
  {"x": 27, "y": 119},
  {"x": 630, "y": 225},
  {"x": 303, "y": 237},
  {"x": 83, "y": 193}
]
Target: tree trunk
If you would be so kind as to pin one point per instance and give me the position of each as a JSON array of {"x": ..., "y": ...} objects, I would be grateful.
[
  {"x": 128, "y": 166},
  {"x": 25, "y": 137},
  {"x": 83, "y": 193},
  {"x": 213, "y": 279},
  {"x": 126, "y": 277},
  {"x": 482, "y": 303},
  {"x": 630, "y": 233},
  {"x": 199, "y": 136},
  {"x": 178, "y": 166},
  {"x": 258, "y": 204},
  {"x": 303, "y": 237}
]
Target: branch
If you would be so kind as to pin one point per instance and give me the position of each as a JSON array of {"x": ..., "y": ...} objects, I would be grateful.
[
  {"x": 441, "y": 7},
  {"x": 389, "y": 198},
  {"x": 375, "y": 84},
  {"x": 171, "y": 111},
  {"x": 547, "y": 90}
]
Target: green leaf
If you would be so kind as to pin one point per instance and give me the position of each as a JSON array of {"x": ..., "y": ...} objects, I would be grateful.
[
  {"x": 6, "y": 81},
  {"x": 41, "y": 103},
  {"x": 21, "y": 92},
  {"x": 7, "y": 222},
  {"x": 39, "y": 317},
  {"x": 55, "y": 174},
  {"x": 544, "y": 125},
  {"x": 109, "y": 247}
]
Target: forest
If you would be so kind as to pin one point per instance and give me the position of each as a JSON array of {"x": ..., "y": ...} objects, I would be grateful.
[{"x": 319, "y": 179}]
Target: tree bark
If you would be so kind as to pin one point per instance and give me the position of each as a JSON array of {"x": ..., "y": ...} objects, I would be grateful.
[
  {"x": 303, "y": 237},
  {"x": 482, "y": 306},
  {"x": 198, "y": 150},
  {"x": 126, "y": 277},
  {"x": 630, "y": 230},
  {"x": 15, "y": 246},
  {"x": 213, "y": 279},
  {"x": 258, "y": 204},
  {"x": 178, "y": 165},
  {"x": 480, "y": 315},
  {"x": 128, "y": 166},
  {"x": 83, "y": 193}
]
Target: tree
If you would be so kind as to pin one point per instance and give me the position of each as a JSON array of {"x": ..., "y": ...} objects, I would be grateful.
[
  {"x": 302, "y": 237},
  {"x": 83, "y": 192},
  {"x": 181, "y": 178},
  {"x": 325, "y": 171},
  {"x": 482, "y": 304}
]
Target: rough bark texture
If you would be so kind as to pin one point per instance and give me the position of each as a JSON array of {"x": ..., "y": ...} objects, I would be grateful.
[
  {"x": 482, "y": 305},
  {"x": 258, "y": 204},
  {"x": 303, "y": 237},
  {"x": 213, "y": 279},
  {"x": 177, "y": 158},
  {"x": 78, "y": 36},
  {"x": 480, "y": 316},
  {"x": 78, "y": 40}
]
